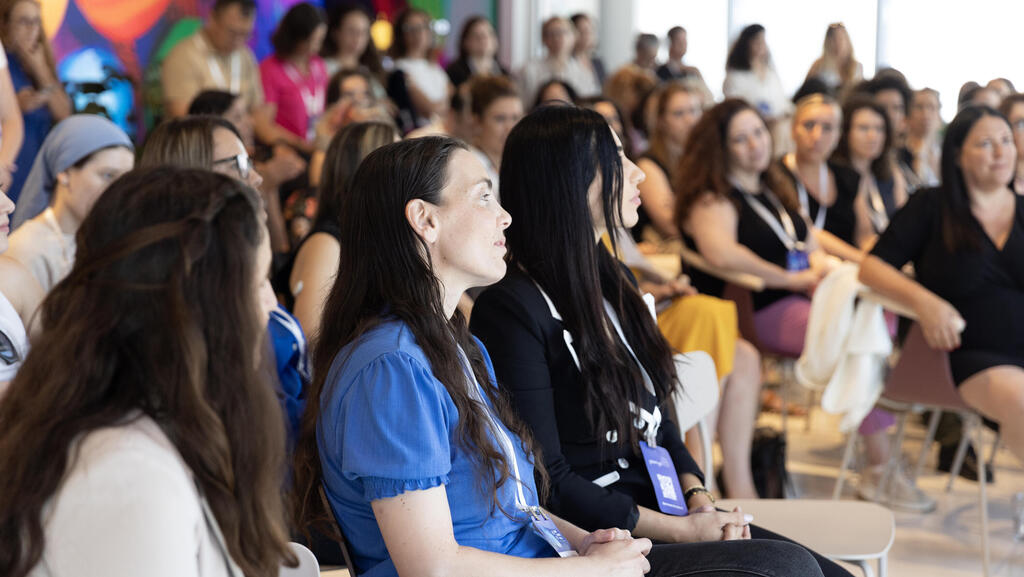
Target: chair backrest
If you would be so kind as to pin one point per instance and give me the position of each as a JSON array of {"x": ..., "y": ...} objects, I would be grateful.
[
  {"x": 308, "y": 565},
  {"x": 339, "y": 537},
  {"x": 744, "y": 312},
  {"x": 923, "y": 376}
]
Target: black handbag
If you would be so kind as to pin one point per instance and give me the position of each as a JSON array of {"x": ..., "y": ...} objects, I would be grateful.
[{"x": 768, "y": 463}]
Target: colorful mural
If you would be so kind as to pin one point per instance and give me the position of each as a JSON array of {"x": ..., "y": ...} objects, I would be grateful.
[{"x": 109, "y": 51}]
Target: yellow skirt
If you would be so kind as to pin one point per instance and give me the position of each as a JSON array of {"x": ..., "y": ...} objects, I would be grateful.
[{"x": 702, "y": 323}]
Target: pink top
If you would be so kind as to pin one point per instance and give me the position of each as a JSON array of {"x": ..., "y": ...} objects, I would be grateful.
[{"x": 299, "y": 98}]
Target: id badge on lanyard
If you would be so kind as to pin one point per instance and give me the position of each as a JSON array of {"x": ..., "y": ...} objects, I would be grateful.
[
  {"x": 797, "y": 260},
  {"x": 546, "y": 529},
  {"x": 312, "y": 101},
  {"x": 541, "y": 524},
  {"x": 660, "y": 467},
  {"x": 796, "y": 251},
  {"x": 665, "y": 480}
]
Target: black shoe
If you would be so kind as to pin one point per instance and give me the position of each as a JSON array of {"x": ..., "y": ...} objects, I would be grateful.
[{"x": 969, "y": 470}]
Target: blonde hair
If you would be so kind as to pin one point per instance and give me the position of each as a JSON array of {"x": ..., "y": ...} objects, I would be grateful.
[{"x": 847, "y": 69}]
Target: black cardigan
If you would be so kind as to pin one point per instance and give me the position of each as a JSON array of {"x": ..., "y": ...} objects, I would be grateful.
[{"x": 534, "y": 366}]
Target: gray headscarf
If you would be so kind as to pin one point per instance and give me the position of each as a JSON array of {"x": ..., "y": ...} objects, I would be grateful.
[{"x": 71, "y": 140}]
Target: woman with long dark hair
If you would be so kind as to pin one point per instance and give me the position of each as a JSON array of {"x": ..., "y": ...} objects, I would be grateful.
[
  {"x": 294, "y": 76},
  {"x": 419, "y": 87},
  {"x": 418, "y": 453},
  {"x": 348, "y": 45},
  {"x": 310, "y": 275},
  {"x": 965, "y": 240},
  {"x": 153, "y": 447},
  {"x": 750, "y": 74},
  {"x": 478, "y": 51},
  {"x": 866, "y": 146},
  {"x": 579, "y": 351}
]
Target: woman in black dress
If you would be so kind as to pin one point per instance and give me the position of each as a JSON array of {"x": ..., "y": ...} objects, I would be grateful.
[
  {"x": 866, "y": 147},
  {"x": 826, "y": 191},
  {"x": 966, "y": 240}
]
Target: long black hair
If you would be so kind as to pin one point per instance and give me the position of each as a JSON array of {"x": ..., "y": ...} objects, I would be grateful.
[
  {"x": 550, "y": 160},
  {"x": 959, "y": 232},
  {"x": 385, "y": 271},
  {"x": 739, "y": 54}
]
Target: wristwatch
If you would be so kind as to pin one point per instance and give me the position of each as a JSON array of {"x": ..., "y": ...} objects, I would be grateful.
[{"x": 697, "y": 489}]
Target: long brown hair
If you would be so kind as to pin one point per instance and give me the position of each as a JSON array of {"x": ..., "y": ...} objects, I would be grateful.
[
  {"x": 658, "y": 146},
  {"x": 704, "y": 167},
  {"x": 385, "y": 270},
  {"x": 347, "y": 149},
  {"x": 158, "y": 318},
  {"x": 881, "y": 167},
  {"x": 6, "y": 6}
]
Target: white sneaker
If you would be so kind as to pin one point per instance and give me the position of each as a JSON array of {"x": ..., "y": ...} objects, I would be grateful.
[{"x": 901, "y": 493}]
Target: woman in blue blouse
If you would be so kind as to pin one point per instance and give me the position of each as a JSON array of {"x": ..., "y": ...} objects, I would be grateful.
[
  {"x": 418, "y": 454},
  {"x": 41, "y": 96}
]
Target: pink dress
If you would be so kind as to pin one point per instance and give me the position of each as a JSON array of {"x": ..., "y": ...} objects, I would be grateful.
[{"x": 299, "y": 98}]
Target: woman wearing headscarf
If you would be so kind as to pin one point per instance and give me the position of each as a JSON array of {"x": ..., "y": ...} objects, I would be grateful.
[{"x": 78, "y": 161}]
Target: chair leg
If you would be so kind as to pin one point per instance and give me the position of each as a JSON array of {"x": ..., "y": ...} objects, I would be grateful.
[
  {"x": 883, "y": 566},
  {"x": 933, "y": 425},
  {"x": 961, "y": 453},
  {"x": 709, "y": 459},
  {"x": 865, "y": 566},
  {"x": 895, "y": 449},
  {"x": 995, "y": 448},
  {"x": 973, "y": 426},
  {"x": 851, "y": 444}
]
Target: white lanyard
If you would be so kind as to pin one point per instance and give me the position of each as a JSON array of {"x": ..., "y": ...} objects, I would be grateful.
[
  {"x": 314, "y": 102},
  {"x": 879, "y": 216},
  {"x": 215, "y": 71},
  {"x": 293, "y": 327},
  {"x": 499, "y": 434},
  {"x": 805, "y": 203},
  {"x": 787, "y": 231},
  {"x": 646, "y": 421}
]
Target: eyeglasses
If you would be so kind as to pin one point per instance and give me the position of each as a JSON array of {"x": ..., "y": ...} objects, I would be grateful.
[{"x": 242, "y": 163}]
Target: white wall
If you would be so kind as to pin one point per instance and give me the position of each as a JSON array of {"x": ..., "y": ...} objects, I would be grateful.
[{"x": 939, "y": 44}]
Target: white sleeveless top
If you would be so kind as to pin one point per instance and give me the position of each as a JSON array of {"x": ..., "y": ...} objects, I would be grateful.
[{"x": 12, "y": 328}]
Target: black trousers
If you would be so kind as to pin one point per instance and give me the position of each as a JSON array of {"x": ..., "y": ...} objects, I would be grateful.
[{"x": 766, "y": 554}]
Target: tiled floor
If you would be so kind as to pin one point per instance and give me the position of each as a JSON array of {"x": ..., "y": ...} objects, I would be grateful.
[{"x": 945, "y": 543}]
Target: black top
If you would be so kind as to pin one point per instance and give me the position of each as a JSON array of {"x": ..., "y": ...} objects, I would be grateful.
[
  {"x": 841, "y": 219},
  {"x": 986, "y": 285},
  {"x": 282, "y": 278},
  {"x": 666, "y": 73},
  {"x": 459, "y": 71},
  {"x": 755, "y": 234},
  {"x": 534, "y": 365}
]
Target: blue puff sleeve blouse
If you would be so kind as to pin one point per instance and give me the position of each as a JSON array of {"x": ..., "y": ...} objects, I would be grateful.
[{"x": 387, "y": 426}]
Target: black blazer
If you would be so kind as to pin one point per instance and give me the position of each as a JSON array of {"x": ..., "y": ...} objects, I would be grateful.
[{"x": 534, "y": 366}]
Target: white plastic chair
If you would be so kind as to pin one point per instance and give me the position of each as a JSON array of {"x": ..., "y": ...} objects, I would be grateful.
[
  {"x": 308, "y": 565},
  {"x": 694, "y": 400},
  {"x": 850, "y": 531}
]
